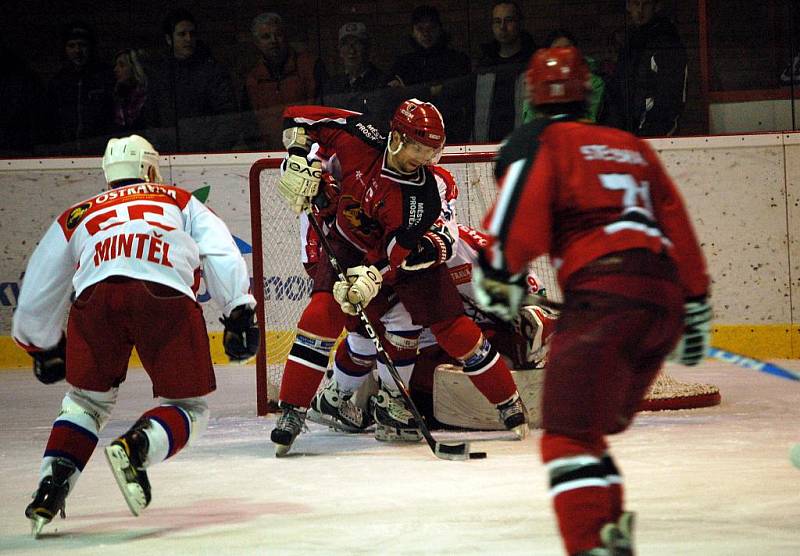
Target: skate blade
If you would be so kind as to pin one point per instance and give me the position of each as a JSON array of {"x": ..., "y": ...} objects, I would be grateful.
[
  {"x": 386, "y": 434},
  {"x": 520, "y": 431},
  {"x": 37, "y": 522},
  {"x": 281, "y": 450},
  {"x": 132, "y": 493}
]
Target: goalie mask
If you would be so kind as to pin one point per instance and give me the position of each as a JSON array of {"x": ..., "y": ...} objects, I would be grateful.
[
  {"x": 421, "y": 122},
  {"x": 131, "y": 158},
  {"x": 557, "y": 75}
]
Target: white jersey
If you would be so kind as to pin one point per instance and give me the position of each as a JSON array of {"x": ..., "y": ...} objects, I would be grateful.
[{"x": 144, "y": 231}]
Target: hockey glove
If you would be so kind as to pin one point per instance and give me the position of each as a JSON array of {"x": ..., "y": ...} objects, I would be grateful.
[
  {"x": 363, "y": 284},
  {"x": 498, "y": 292},
  {"x": 240, "y": 338},
  {"x": 300, "y": 181},
  {"x": 693, "y": 345},
  {"x": 435, "y": 247},
  {"x": 50, "y": 365}
]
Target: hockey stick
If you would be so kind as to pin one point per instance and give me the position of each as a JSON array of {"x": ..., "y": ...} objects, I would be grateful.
[
  {"x": 751, "y": 363},
  {"x": 451, "y": 451}
]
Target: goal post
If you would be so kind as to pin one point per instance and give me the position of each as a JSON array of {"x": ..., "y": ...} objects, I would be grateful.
[{"x": 282, "y": 288}]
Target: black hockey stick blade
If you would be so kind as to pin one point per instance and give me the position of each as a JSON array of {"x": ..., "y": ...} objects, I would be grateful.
[{"x": 456, "y": 452}]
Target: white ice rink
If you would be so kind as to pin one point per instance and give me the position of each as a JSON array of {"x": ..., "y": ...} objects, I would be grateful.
[{"x": 713, "y": 481}]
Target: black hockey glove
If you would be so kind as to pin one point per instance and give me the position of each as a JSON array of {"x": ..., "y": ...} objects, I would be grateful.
[
  {"x": 240, "y": 338},
  {"x": 435, "y": 247},
  {"x": 693, "y": 345},
  {"x": 50, "y": 365}
]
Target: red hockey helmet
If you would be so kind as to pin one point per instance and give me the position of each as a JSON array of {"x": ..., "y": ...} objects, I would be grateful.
[
  {"x": 420, "y": 121},
  {"x": 557, "y": 75}
]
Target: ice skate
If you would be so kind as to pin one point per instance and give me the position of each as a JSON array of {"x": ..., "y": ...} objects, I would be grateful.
[
  {"x": 394, "y": 422},
  {"x": 48, "y": 500},
  {"x": 514, "y": 415},
  {"x": 617, "y": 538},
  {"x": 289, "y": 425},
  {"x": 126, "y": 457},
  {"x": 335, "y": 409}
]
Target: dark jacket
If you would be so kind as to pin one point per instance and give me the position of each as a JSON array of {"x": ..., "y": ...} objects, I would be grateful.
[
  {"x": 80, "y": 102},
  {"x": 367, "y": 94},
  {"x": 440, "y": 65},
  {"x": 647, "y": 92},
  {"x": 490, "y": 53},
  {"x": 197, "y": 94}
]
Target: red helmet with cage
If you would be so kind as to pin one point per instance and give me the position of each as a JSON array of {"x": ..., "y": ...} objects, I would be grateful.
[
  {"x": 557, "y": 75},
  {"x": 420, "y": 121}
]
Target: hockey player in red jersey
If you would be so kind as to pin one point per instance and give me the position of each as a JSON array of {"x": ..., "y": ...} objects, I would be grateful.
[
  {"x": 133, "y": 255},
  {"x": 382, "y": 234},
  {"x": 634, "y": 280}
]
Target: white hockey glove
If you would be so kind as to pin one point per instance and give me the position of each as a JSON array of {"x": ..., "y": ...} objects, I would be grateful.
[
  {"x": 536, "y": 324},
  {"x": 435, "y": 247},
  {"x": 300, "y": 182},
  {"x": 363, "y": 284},
  {"x": 497, "y": 292},
  {"x": 693, "y": 345}
]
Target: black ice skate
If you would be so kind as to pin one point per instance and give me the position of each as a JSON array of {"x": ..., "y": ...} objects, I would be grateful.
[
  {"x": 394, "y": 422},
  {"x": 514, "y": 415},
  {"x": 48, "y": 500},
  {"x": 126, "y": 457},
  {"x": 334, "y": 408},
  {"x": 289, "y": 425}
]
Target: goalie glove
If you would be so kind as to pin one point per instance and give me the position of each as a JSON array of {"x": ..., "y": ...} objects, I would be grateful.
[
  {"x": 300, "y": 181},
  {"x": 362, "y": 285},
  {"x": 50, "y": 365},
  {"x": 240, "y": 338},
  {"x": 498, "y": 292},
  {"x": 693, "y": 345},
  {"x": 435, "y": 247}
]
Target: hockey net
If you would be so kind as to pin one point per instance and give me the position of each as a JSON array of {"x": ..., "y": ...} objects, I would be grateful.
[{"x": 286, "y": 287}]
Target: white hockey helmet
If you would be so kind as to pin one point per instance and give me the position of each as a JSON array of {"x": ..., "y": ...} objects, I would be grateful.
[{"x": 130, "y": 158}]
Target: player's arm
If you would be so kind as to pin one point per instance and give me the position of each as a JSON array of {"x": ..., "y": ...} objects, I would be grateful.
[{"x": 37, "y": 324}]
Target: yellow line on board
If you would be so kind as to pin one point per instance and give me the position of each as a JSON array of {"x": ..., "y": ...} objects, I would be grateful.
[{"x": 765, "y": 341}]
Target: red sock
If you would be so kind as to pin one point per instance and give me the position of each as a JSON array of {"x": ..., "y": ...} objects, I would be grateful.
[
  {"x": 579, "y": 490},
  {"x": 71, "y": 441},
  {"x": 175, "y": 422}
]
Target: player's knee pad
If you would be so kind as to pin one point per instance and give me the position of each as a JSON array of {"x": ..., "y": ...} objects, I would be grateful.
[
  {"x": 356, "y": 357},
  {"x": 401, "y": 345},
  {"x": 322, "y": 317},
  {"x": 87, "y": 409},
  {"x": 459, "y": 337},
  {"x": 197, "y": 411}
]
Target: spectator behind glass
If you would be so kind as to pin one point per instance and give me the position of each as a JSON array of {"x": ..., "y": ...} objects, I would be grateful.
[
  {"x": 647, "y": 91},
  {"x": 281, "y": 77},
  {"x": 500, "y": 84},
  {"x": 441, "y": 74},
  {"x": 132, "y": 112},
  {"x": 79, "y": 95},
  {"x": 23, "y": 121},
  {"x": 594, "y": 101},
  {"x": 362, "y": 86},
  {"x": 193, "y": 94}
]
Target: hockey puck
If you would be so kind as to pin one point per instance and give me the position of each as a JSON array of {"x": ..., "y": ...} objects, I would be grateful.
[{"x": 477, "y": 455}]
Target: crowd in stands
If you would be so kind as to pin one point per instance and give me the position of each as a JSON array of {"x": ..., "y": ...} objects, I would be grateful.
[{"x": 186, "y": 101}]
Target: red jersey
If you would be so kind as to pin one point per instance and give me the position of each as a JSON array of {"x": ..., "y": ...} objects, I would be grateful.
[
  {"x": 578, "y": 192},
  {"x": 380, "y": 211}
]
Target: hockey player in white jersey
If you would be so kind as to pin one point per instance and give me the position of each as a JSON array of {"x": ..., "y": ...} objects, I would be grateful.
[{"x": 133, "y": 255}]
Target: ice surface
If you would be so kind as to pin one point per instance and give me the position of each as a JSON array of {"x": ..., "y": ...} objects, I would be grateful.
[{"x": 714, "y": 481}]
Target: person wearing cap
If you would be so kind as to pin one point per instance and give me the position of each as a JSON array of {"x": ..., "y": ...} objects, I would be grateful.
[
  {"x": 282, "y": 76},
  {"x": 79, "y": 95},
  {"x": 361, "y": 87},
  {"x": 437, "y": 73}
]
